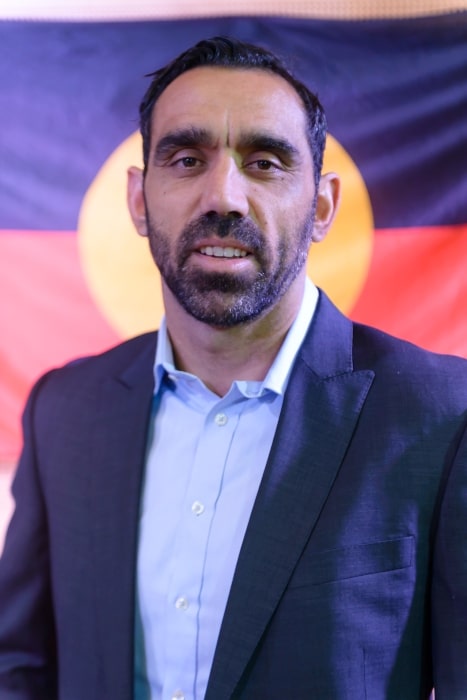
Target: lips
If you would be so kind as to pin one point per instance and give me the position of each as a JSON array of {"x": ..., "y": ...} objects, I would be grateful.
[
  {"x": 218, "y": 251},
  {"x": 217, "y": 237}
]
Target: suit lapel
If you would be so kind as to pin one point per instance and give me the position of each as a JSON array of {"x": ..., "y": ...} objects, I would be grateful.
[
  {"x": 119, "y": 443},
  {"x": 321, "y": 408}
]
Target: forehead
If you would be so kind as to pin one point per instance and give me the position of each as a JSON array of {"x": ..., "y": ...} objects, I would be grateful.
[{"x": 230, "y": 100}]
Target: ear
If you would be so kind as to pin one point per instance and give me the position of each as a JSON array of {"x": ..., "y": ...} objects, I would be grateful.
[
  {"x": 135, "y": 199},
  {"x": 326, "y": 205}
]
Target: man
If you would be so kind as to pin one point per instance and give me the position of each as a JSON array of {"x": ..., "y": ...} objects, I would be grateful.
[{"x": 265, "y": 500}]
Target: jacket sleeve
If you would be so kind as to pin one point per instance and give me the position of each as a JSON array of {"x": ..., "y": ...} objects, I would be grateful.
[
  {"x": 27, "y": 644},
  {"x": 449, "y": 583}
]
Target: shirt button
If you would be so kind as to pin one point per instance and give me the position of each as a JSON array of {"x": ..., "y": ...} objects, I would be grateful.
[
  {"x": 181, "y": 603},
  {"x": 178, "y": 695},
  {"x": 220, "y": 419},
  {"x": 197, "y": 508}
]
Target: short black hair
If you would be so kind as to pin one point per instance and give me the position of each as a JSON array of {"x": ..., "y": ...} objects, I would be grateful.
[{"x": 233, "y": 53}]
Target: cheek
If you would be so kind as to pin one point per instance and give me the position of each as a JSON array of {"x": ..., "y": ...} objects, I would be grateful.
[
  {"x": 175, "y": 208},
  {"x": 165, "y": 215},
  {"x": 266, "y": 214}
]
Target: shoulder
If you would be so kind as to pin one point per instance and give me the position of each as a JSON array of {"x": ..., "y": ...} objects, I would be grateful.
[
  {"x": 413, "y": 373},
  {"x": 405, "y": 376},
  {"x": 114, "y": 360},
  {"x": 336, "y": 344},
  {"x": 377, "y": 348},
  {"x": 84, "y": 375}
]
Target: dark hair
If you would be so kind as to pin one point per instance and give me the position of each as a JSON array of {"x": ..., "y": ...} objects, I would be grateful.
[{"x": 233, "y": 53}]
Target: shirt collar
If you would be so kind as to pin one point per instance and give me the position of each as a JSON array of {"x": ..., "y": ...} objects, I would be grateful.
[{"x": 278, "y": 375}]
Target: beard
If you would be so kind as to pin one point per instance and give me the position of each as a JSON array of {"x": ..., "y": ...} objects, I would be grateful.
[{"x": 225, "y": 300}]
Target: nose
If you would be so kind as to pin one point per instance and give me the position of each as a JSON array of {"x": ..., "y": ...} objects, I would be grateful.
[{"x": 224, "y": 189}]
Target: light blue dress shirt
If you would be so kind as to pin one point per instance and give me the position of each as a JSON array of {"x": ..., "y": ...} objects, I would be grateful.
[{"x": 206, "y": 456}]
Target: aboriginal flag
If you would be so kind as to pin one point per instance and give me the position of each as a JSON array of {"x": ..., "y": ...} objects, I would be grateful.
[{"x": 74, "y": 278}]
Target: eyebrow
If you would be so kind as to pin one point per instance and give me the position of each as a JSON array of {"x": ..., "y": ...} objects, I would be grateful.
[
  {"x": 193, "y": 137},
  {"x": 260, "y": 141},
  {"x": 190, "y": 137}
]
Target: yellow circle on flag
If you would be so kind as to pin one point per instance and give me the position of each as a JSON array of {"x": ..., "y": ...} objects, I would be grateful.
[{"x": 125, "y": 282}]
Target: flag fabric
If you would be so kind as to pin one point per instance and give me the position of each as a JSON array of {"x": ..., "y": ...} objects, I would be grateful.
[{"x": 74, "y": 279}]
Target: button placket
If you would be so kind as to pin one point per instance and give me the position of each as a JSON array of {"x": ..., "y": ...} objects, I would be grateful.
[{"x": 193, "y": 533}]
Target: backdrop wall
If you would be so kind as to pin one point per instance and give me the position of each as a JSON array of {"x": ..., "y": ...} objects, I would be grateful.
[{"x": 75, "y": 278}]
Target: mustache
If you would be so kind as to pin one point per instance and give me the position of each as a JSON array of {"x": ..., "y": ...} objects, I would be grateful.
[{"x": 241, "y": 230}]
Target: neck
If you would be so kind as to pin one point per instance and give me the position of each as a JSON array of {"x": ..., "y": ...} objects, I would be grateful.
[{"x": 219, "y": 356}]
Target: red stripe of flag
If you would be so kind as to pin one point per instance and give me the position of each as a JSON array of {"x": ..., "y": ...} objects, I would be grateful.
[
  {"x": 417, "y": 287},
  {"x": 47, "y": 317}
]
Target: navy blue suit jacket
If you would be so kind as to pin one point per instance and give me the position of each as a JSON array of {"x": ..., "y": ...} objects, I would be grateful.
[{"x": 352, "y": 579}]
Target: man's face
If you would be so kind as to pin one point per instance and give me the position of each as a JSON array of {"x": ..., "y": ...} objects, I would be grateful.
[{"x": 229, "y": 192}]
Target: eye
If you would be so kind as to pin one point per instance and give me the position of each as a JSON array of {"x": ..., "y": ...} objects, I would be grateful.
[
  {"x": 264, "y": 165},
  {"x": 187, "y": 162}
]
